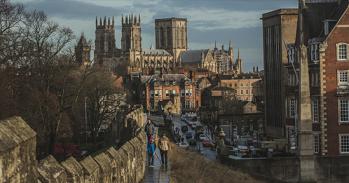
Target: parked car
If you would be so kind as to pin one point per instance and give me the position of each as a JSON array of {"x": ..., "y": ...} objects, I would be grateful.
[
  {"x": 207, "y": 143},
  {"x": 203, "y": 137},
  {"x": 189, "y": 135},
  {"x": 183, "y": 145}
]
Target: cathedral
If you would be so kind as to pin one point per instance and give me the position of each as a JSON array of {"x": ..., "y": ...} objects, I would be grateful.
[{"x": 170, "y": 52}]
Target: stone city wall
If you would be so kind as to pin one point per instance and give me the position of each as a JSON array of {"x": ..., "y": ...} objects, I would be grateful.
[{"x": 18, "y": 160}]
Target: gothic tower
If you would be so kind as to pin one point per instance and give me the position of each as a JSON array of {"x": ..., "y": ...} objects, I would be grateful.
[
  {"x": 131, "y": 38},
  {"x": 82, "y": 51},
  {"x": 231, "y": 57},
  {"x": 171, "y": 35},
  {"x": 105, "y": 39},
  {"x": 238, "y": 63}
]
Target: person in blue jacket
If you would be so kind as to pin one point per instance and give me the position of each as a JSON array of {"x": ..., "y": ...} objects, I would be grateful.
[{"x": 150, "y": 150}]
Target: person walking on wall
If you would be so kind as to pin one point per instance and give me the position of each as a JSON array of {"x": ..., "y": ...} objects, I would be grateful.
[
  {"x": 150, "y": 150},
  {"x": 164, "y": 146}
]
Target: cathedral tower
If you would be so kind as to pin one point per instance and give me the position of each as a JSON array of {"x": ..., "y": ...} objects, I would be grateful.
[
  {"x": 231, "y": 57},
  {"x": 238, "y": 63},
  {"x": 131, "y": 39},
  {"x": 105, "y": 39},
  {"x": 82, "y": 51},
  {"x": 171, "y": 35}
]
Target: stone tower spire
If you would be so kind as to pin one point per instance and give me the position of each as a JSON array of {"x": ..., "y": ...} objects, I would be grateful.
[
  {"x": 105, "y": 40},
  {"x": 231, "y": 57},
  {"x": 305, "y": 131},
  {"x": 82, "y": 51},
  {"x": 131, "y": 39}
]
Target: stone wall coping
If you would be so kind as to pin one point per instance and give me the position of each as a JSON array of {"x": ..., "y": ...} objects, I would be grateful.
[
  {"x": 89, "y": 165},
  {"x": 73, "y": 166},
  {"x": 49, "y": 168},
  {"x": 104, "y": 162},
  {"x": 14, "y": 131}
]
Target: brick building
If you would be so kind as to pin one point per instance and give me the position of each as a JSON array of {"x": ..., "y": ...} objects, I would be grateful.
[
  {"x": 159, "y": 88},
  {"x": 324, "y": 32}
]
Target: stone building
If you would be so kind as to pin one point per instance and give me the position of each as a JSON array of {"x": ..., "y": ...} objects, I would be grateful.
[
  {"x": 248, "y": 86},
  {"x": 171, "y": 34},
  {"x": 82, "y": 51},
  {"x": 131, "y": 57},
  {"x": 217, "y": 61},
  {"x": 326, "y": 38},
  {"x": 279, "y": 28}
]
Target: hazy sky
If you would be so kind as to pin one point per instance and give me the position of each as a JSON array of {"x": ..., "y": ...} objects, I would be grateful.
[{"x": 208, "y": 20}]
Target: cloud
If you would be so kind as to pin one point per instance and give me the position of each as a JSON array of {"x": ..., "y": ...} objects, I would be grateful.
[{"x": 213, "y": 19}]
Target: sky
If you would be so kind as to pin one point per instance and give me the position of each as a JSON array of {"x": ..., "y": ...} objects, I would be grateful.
[{"x": 208, "y": 20}]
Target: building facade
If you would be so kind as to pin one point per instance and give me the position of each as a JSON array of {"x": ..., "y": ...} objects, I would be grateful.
[
  {"x": 171, "y": 35},
  {"x": 248, "y": 86},
  {"x": 160, "y": 88},
  {"x": 279, "y": 29},
  {"x": 325, "y": 36},
  {"x": 131, "y": 57}
]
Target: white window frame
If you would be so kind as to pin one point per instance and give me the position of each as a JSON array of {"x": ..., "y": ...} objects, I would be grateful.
[
  {"x": 343, "y": 57},
  {"x": 346, "y": 143},
  {"x": 345, "y": 110},
  {"x": 341, "y": 80},
  {"x": 314, "y": 52},
  {"x": 315, "y": 109}
]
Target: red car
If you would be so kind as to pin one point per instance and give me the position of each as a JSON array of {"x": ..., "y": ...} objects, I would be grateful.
[{"x": 207, "y": 143}]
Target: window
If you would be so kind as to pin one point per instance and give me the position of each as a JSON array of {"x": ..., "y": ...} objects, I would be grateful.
[
  {"x": 314, "y": 79},
  {"x": 315, "y": 109},
  {"x": 156, "y": 93},
  {"x": 344, "y": 143},
  {"x": 292, "y": 107},
  {"x": 242, "y": 92},
  {"x": 342, "y": 53},
  {"x": 247, "y": 92},
  {"x": 291, "y": 53},
  {"x": 182, "y": 93},
  {"x": 314, "y": 52},
  {"x": 343, "y": 110},
  {"x": 316, "y": 143},
  {"x": 167, "y": 94},
  {"x": 342, "y": 77}
]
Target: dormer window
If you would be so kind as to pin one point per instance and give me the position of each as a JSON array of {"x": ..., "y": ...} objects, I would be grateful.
[
  {"x": 314, "y": 45},
  {"x": 328, "y": 25}
]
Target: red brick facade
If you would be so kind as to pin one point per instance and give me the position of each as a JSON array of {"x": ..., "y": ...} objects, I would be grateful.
[{"x": 333, "y": 128}]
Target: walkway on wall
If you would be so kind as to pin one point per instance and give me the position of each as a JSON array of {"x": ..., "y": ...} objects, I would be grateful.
[{"x": 157, "y": 174}]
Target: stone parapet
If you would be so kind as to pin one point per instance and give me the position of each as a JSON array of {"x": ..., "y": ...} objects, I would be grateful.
[{"x": 18, "y": 159}]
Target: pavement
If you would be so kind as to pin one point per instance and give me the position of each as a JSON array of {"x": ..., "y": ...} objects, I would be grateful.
[{"x": 157, "y": 173}]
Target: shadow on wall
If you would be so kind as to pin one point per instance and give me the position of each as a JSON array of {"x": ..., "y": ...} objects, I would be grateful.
[{"x": 19, "y": 164}]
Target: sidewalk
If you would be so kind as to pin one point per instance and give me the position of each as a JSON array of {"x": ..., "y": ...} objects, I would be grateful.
[{"x": 157, "y": 174}]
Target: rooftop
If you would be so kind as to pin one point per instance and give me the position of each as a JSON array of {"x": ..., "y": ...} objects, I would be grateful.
[{"x": 284, "y": 11}]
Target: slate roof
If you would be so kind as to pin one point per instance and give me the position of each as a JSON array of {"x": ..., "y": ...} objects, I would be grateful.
[
  {"x": 193, "y": 56},
  {"x": 316, "y": 13}
]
